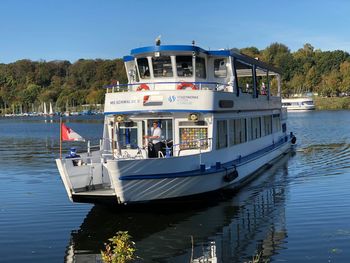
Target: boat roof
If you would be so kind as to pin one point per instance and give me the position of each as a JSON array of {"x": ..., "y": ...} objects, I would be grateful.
[{"x": 137, "y": 52}]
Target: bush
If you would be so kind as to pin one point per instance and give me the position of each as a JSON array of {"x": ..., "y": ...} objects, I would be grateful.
[{"x": 120, "y": 249}]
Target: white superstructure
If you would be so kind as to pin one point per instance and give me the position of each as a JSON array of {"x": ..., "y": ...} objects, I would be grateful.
[{"x": 220, "y": 123}]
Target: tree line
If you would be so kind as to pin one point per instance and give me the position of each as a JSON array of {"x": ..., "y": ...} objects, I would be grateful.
[
  {"x": 326, "y": 73},
  {"x": 28, "y": 84}
]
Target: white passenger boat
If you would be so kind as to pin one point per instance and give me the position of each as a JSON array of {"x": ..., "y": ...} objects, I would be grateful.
[
  {"x": 213, "y": 135},
  {"x": 298, "y": 104}
]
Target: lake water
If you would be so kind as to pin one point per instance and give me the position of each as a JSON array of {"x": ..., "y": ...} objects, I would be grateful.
[{"x": 297, "y": 211}]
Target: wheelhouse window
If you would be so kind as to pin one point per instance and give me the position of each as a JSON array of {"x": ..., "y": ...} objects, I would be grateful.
[
  {"x": 221, "y": 136},
  {"x": 143, "y": 68},
  {"x": 200, "y": 68},
  {"x": 220, "y": 70},
  {"x": 184, "y": 66},
  {"x": 162, "y": 67}
]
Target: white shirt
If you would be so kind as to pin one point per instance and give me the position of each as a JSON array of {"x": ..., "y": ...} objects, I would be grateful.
[{"x": 156, "y": 132}]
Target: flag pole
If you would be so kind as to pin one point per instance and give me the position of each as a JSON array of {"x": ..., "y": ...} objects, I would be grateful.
[{"x": 60, "y": 137}]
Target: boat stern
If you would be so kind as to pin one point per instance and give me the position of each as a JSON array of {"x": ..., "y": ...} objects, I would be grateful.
[
  {"x": 65, "y": 178},
  {"x": 86, "y": 179}
]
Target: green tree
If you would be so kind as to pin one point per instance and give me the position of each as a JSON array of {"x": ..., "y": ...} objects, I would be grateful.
[
  {"x": 299, "y": 84},
  {"x": 251, "y": 51},
  {"x": 330, "y": 84},
  {"x": 312, "y": 79},
  {"x": 30, "y": 94},
  {"x": 95, "y": 96},
  {"x": 279, "y": 55},
  {"x": 345, "y": 77}
]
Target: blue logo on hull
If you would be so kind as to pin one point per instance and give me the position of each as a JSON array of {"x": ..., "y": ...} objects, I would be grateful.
[{"x": 172, "y": 98}]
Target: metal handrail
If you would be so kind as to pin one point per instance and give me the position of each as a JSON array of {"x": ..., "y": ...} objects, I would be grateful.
[
  {"x": 173, "y": 147},
  {"x": 132, "y": 86},
  {"x": 196, "y": 140}
]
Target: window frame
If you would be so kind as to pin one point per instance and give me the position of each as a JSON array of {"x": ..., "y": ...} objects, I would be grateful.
[{"x": 165, "y": 72}]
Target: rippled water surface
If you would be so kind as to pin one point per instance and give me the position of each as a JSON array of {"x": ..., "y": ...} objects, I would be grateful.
[{"x": 297, "y": 211}]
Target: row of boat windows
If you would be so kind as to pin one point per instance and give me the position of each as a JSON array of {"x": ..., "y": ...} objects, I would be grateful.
[
  {"x": 162, "y": 67},
  {"x": 229, "y": 132},
  {"x": 189, "y": 66},
  {"x": 194, "y": 135},
  {"x": 297, "y": 103},
  {"x": 236, "y": 131}
]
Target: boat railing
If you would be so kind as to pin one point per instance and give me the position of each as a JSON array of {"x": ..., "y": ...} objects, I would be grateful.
[
  {"x": 169, "y": 149},
  {"x": 196, "y": 144},
  {"x": 163, "y": 86},
  {"x": 201, "y": 144},
  {"x": 93, "y": 147}
]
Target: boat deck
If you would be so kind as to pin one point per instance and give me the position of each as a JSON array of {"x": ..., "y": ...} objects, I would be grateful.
[
  {"x": 99, "y": 192},
  {"x": 95, "y": 196}
]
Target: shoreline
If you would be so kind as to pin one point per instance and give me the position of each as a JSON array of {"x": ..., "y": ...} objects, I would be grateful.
[{"x": 332, "y": 103}]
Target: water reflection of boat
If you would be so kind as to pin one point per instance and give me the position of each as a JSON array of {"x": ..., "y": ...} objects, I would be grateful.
[{"x": 231, "y": 230}]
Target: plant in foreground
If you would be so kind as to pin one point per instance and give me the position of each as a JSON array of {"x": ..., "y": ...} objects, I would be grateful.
[
  {"x": 258, "y": 259},
  {"x": 120, "y": 248}
]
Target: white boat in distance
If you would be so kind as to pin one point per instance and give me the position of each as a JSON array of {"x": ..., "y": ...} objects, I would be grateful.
[
  {"x": 214, "y": 136},
  {"x": 298, "y": 104}
]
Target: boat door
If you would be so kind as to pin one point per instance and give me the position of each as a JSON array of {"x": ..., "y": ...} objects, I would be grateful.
[
  {"x": 166, "y": 126},
  {"x": 130, "y": 135}
]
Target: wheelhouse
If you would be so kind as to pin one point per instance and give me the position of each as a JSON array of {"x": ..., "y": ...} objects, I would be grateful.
[{"x": 164, "y": 67}]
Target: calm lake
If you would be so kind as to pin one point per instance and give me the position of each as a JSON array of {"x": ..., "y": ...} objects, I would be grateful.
[{"x": 296, "y": 211}]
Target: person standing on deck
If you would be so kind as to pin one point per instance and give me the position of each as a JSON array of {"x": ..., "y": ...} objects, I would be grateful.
[{"x": 156, "y": 137}]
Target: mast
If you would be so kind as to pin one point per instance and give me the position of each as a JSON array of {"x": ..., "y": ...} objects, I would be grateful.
[
  {"x": 45, "y": 110},
  {"x": 51, "y": 110}
]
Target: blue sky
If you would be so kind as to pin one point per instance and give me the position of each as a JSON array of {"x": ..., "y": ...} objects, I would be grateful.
[{"x": 108, "y": 29}]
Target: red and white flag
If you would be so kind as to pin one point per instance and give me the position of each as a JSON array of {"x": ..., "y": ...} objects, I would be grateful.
[{"x": 69, "y": 135}]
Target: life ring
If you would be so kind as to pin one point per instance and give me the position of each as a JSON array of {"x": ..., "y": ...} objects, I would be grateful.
[
  {"x": 142, "y": 87},
  {"x": 184, "y": 85}
]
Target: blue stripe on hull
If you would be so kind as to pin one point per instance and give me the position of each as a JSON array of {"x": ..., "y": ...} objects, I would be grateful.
[{"x": 229, "y": 165}]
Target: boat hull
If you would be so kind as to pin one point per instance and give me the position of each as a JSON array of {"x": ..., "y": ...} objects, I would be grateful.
[
  {"x": 129, "y": 190},
  {"x": 137, "y": 181}
]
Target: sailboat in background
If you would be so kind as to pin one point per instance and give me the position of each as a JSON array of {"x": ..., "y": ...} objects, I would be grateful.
[
  {"x": 51, "y": 113},
  {"x": 45, "y": 110},
  {"x": 67, "y": 112}
]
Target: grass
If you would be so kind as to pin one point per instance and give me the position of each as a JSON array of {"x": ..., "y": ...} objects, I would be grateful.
[{"x": 332, "y": 103}]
